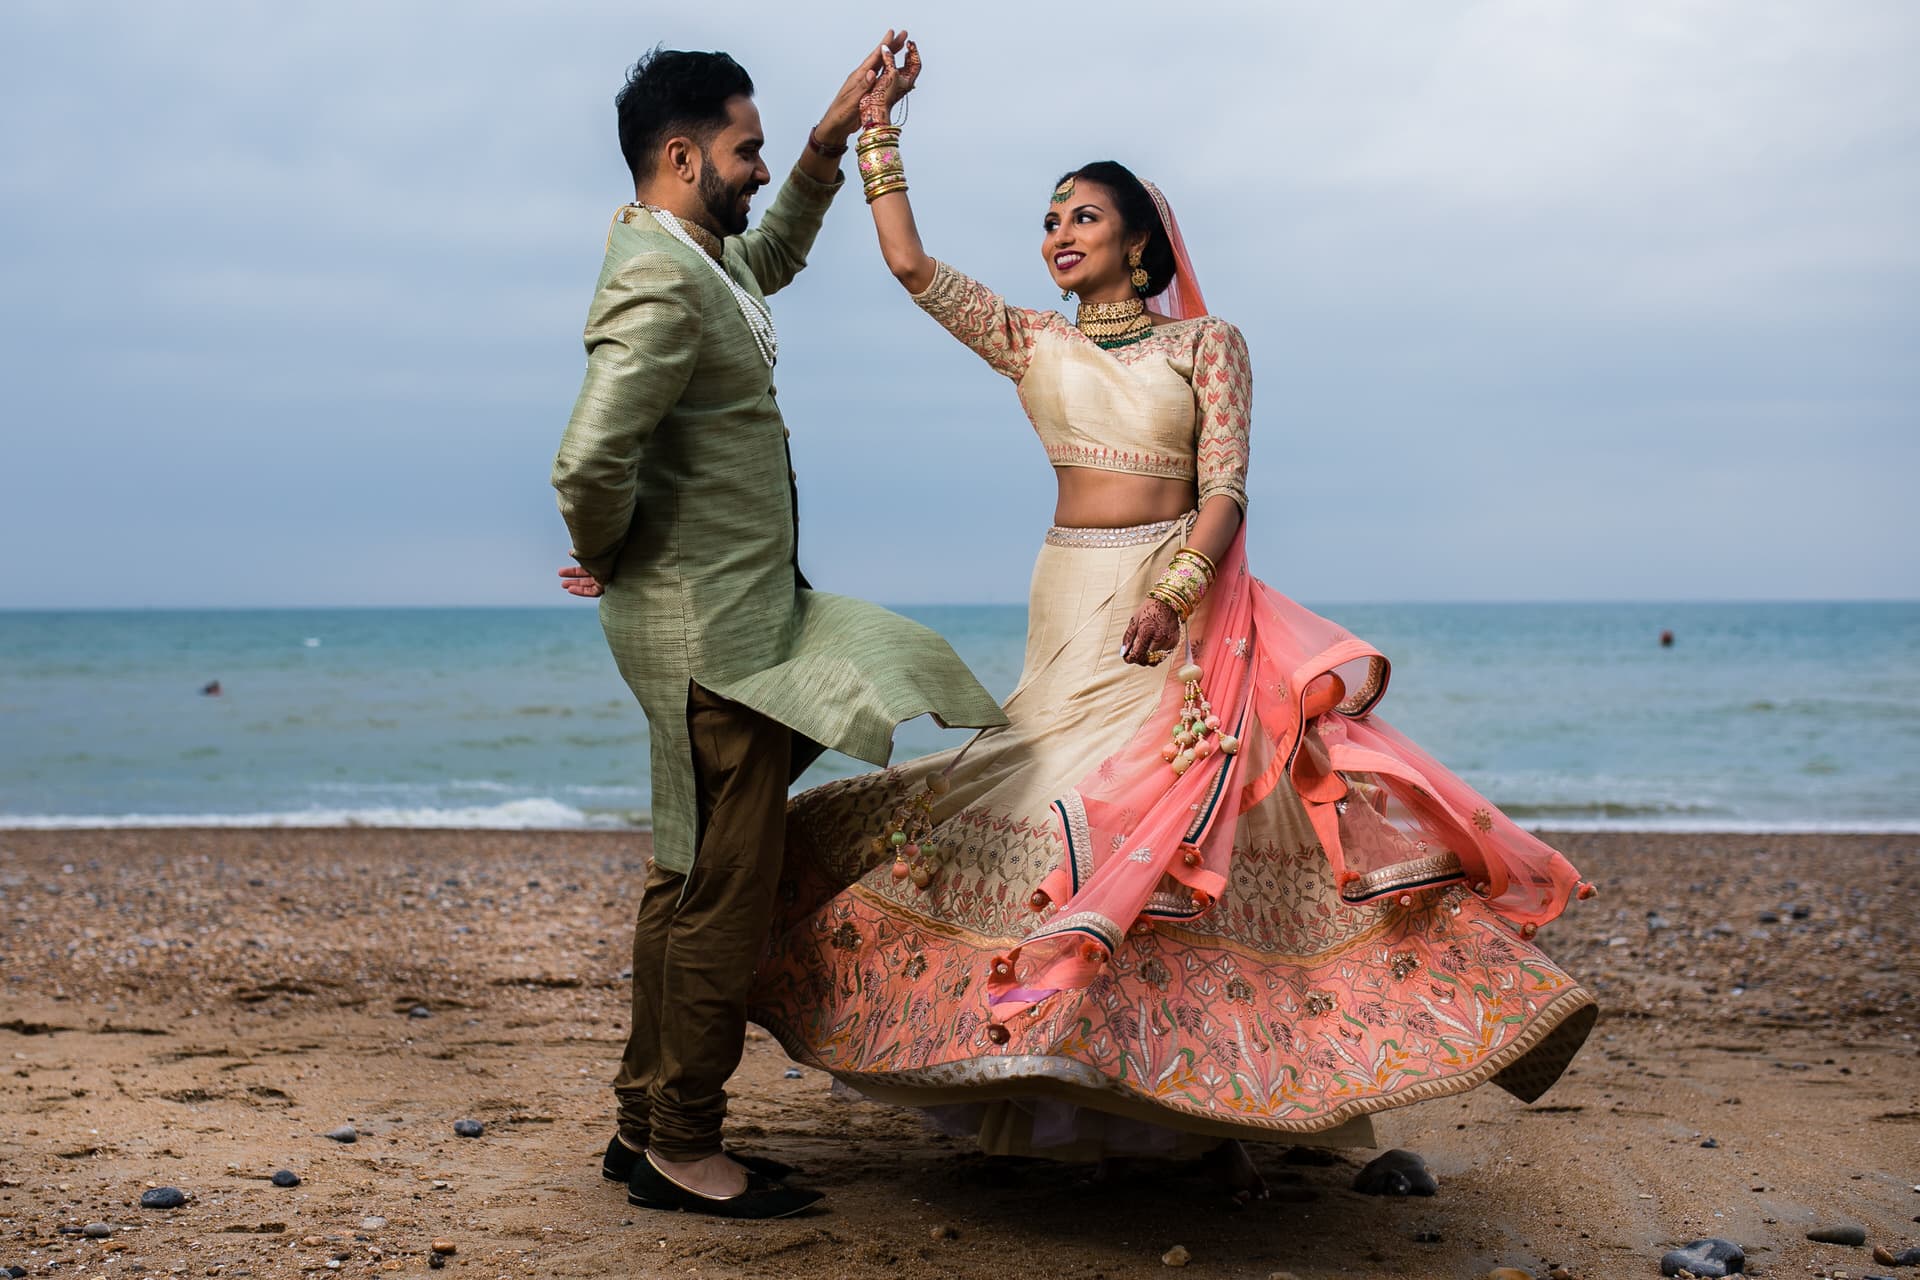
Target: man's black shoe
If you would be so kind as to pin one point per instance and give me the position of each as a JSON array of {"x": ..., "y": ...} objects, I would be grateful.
[
  {"x": 619, "y": 1162},
  {"x": 651, "y": 1189}
]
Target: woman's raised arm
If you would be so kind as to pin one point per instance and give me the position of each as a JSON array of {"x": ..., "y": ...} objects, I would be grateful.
[{"x": 884, "y": 176}]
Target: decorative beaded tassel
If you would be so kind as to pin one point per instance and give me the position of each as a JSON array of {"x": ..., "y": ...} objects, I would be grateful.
[
  {"x": 909, "y": 834},
  {"x": 1196, "y": 735}
]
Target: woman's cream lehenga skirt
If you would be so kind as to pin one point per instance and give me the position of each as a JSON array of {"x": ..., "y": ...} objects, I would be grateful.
[{"x": 1283, "y": 1013}]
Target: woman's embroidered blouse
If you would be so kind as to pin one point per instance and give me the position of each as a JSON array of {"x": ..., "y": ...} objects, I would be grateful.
[{"x": 1177, "y": 403}]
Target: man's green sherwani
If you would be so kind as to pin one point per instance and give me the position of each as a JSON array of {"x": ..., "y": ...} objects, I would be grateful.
[{"x": 674, "y": 481}]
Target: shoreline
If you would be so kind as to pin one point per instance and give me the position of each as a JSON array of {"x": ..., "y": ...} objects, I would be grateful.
[
  {"x": 196, "y": 1006},
  {"x": 331, "y": 820}
]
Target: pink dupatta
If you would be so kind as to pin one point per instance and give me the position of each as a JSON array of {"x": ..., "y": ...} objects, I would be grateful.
[{"x": 1143, "y": 843}]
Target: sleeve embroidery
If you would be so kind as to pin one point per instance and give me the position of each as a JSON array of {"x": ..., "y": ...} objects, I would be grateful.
[
  {"x": 1223, "y": 389},
  {"x": 1001, "y": 335}
]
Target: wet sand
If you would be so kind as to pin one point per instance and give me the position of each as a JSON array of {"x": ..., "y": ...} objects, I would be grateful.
[{"x": 197, "y": 1008}]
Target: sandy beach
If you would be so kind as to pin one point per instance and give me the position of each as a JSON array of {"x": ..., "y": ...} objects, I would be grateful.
[{"x": 198, "y": 1008}]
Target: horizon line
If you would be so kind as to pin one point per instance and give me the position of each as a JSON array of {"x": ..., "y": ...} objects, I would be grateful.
[{"x": 960, "y": 604}]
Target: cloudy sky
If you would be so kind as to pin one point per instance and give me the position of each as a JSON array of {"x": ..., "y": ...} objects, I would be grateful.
[{"x": 1546, "y": 300}]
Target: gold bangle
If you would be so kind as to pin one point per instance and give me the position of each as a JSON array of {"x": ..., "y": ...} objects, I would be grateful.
[
  {"x": 1213, "y": 570},
  {"x": 874, "y": 193},
  {"x": 1180, "y": 608}
]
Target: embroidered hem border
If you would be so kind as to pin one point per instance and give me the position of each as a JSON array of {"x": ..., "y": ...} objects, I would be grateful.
[
  {"x": 1558, "y": 1031},
  {"x": 1127, "y": 462},
  {"x": 1426, "y": 873}
]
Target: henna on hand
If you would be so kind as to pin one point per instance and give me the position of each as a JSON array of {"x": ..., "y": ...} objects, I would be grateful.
[{"x": 892, "y": 84}]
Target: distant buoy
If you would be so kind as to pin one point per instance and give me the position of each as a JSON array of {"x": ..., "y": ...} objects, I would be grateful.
[
  {"x": 1666, "y": 639},
  {"x": 211, "y": 689}
]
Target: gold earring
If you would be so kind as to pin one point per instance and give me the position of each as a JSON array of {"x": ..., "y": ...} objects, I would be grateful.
[{"x": 1139, "y": 272}]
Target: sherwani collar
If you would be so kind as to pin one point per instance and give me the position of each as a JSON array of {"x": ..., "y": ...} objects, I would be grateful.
[{"x": 708, "y": 242}]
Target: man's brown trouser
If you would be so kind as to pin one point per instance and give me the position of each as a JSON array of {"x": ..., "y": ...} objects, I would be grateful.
[{"x": 697, "y": 937}]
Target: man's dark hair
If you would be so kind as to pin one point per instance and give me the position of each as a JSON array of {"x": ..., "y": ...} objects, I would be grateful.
[
  {"x": 1137, "y": 213},
  {"x": 671, "y": 92}
]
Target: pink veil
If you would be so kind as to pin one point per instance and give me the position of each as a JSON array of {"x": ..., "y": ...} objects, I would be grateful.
[{"x": 1181, "y": 300}]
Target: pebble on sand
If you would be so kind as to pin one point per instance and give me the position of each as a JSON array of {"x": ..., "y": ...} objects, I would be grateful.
[
  {"x": 1395, "y": 1173},
  {"x": 345, "y": 1133},
  {"x": 419, "y": 1011},
  {"x": 1847, "y": 1233},
  {"x": 16, "y": 1272},
  {"x": 372, "y": 1222},
  {"x": 1710, "y": 1257},
  {"x": 945, "y": 1233},
  {"x": 469, "y": 1128},
  {"x": 794, "y": 1073},
  {"x": 443, "y": 1246},
  {"x": 1509, "y": 1273},
  {"x": 1904, "y": 1258},
  {"x": 97, "y": 1231},
  {"x": 163, "y": 1198},
  {"x": 1176, "y": 1256},
  {"x": 285, "y": 1178},
  {"x": 436, "y": 1260}
]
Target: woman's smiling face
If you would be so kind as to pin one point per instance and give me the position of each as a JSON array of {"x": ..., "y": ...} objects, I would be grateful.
[{"x": 1084, "y": 242}]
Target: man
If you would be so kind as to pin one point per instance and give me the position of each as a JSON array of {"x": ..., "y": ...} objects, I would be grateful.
[{"x": 675, "y": 484}]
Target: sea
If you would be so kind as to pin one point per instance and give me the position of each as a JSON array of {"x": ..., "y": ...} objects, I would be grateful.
[{"x": 1757, "y": 717}]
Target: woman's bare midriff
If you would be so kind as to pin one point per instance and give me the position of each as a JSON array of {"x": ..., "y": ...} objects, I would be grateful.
[{"x": 1092, "y": 499}]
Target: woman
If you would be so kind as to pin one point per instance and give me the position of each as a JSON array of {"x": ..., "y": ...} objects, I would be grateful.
[{"x": 1194, "y": 890}]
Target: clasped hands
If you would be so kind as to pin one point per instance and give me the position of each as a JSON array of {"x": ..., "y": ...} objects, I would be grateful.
[{"x": 875, "y": 85}]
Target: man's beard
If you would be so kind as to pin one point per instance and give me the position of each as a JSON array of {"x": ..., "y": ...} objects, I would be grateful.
[{"x": 721, "y": 201}]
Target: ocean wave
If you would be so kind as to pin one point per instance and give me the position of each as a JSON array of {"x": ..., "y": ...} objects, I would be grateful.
[
  {"x": 1605, "y": 810},
  {"x": 1730, "y": 826},
  {"x": 537, "y": 813}
]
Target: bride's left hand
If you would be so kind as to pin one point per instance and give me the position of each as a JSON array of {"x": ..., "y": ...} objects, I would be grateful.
[{"x": 1153, "y": 630}]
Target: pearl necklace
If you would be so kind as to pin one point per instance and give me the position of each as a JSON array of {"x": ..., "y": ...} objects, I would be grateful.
[{"x": 759, "y": 319}]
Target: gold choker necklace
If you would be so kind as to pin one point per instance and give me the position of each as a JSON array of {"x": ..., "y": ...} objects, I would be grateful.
[{"x": 1114, "y": 324}]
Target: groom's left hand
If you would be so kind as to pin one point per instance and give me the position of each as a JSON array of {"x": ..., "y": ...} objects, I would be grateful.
[{"x": 578, "y": 582}]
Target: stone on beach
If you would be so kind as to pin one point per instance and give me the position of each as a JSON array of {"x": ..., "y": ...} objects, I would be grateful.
[
  {"x": 285, "y": 1178},
  {"x": 1396, "y": 1173},
  {"x": 1176, "y": 1256},
  {"x": 1711, "y": 1257},
  {"x": 372, "y": 1222},
  {"x": 96, "y": 1231},
  {"x": 163, "y": 1198},
  {"x": 469, "y": 1128},
  {"x": 1847, "y": 1233},
  {"x": 345, "y": 1133}
]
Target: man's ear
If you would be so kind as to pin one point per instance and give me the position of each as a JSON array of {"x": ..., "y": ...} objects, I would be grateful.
[{"x": 684, "y": 158}]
